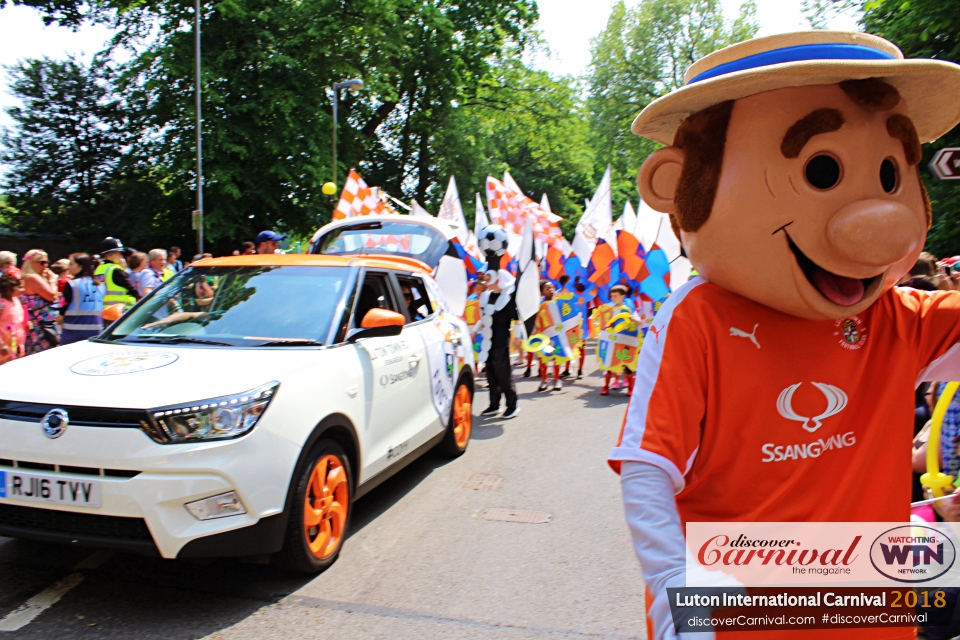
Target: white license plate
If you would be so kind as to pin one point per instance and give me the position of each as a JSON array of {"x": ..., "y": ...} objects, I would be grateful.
[{"x": 41, "y": 487}]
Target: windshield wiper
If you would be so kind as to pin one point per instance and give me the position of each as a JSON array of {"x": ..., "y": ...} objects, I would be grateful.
[
  {"x": 176, "y": 340},
  {"x": 291, "y": 342}
]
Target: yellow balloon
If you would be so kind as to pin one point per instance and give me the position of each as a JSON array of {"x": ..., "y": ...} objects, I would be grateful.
[
  {"x": 934, "y": 479},
  {"x": 328, "y": 189}
]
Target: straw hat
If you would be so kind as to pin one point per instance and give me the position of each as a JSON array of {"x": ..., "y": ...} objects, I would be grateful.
[{"x": 929, "y": 87}]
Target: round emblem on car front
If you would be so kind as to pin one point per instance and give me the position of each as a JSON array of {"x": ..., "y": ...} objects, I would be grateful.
[{"x": 55, "y": 423}]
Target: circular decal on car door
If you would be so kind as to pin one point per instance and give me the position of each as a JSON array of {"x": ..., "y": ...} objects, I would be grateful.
[{"x": 112, "y": 364}]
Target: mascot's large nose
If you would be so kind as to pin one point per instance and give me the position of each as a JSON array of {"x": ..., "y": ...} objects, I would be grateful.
[{"x": 874, "y": 232}]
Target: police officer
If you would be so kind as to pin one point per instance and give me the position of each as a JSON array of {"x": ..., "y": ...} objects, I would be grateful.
[{"x": 113, "y": 275}]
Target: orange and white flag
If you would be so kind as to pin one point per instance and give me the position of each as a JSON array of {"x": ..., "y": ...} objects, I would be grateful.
[
  {"x": 357, "y": 199},
  {"x": 509, "y": 208}
]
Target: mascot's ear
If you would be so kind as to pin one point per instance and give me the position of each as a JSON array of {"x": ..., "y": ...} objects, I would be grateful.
[{"x": 659, "y": 177}]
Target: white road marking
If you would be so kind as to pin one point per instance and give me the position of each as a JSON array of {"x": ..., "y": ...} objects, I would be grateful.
[{"x": 29, "y": 610}]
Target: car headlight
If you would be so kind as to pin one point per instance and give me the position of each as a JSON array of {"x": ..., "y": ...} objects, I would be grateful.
[{"x": 214, "y": 419}]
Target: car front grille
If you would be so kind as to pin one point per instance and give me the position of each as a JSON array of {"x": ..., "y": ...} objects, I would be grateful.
[
  {"x": 16, "y": 520},
  {"x": 79, "y": 416},
  {"x": 63, "y": 468}
]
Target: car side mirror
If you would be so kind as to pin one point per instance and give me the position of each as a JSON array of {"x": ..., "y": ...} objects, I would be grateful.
[{"x": 378, "y": 323}]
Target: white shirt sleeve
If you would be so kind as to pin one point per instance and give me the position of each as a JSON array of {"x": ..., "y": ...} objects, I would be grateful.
[{"x": 658, "y": 540}]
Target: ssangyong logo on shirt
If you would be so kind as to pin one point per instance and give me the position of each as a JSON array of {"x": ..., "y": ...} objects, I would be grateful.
[
  {"x": 836, "y": 399},
  {"x": 836, "y": 402}
]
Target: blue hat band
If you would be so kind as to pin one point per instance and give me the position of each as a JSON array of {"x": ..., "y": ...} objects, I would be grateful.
[{"x": 798, "y": 53}]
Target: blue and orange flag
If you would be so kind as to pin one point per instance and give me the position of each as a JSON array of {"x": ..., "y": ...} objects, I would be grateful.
[
  {"x": 598, "y": 271},
  {"x": 632, "y": 256}
]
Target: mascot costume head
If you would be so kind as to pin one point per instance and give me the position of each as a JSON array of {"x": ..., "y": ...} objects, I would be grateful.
[
  {"x": 805, "y": 148},
  {"x": 778, "y": 382}
]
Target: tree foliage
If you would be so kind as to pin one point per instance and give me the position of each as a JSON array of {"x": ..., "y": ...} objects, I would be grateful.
[
  {"x": 528, "y": 123},
  {"x": 68, "y": 165},
  {"x": 267, "y": 69},
  {"x": 641, "y": 55}
]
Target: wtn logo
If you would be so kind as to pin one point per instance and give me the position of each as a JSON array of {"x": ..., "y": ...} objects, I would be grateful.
[
  {"x": 922, "y": 554},
  {"x": 912, "y": 554}
]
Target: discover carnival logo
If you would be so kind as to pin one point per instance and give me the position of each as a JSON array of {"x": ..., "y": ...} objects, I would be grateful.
[{"x": 836, "y": 402}]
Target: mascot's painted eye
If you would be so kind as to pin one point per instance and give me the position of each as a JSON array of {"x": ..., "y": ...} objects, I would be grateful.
[
  {"x": 822, "y": 172},
  {"x": 889, "y": 175}
]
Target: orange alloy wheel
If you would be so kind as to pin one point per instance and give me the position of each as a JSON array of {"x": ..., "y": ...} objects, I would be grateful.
[
  {"x": 462, "y": 416},
  {"x": 325, "y": 506}
]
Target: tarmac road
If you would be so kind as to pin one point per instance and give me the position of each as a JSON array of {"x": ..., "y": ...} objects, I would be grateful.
[{"x": 420, "y": 561}]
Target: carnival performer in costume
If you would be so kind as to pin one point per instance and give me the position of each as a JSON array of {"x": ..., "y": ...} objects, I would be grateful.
[
  {"x": 618, "y": 345},
  {"x": 578, "y": 300},
  {"x": 472, "y": 314},
  {"x": 790, "y": 173},
  {"x": 499, "y": 307},
  {"x": 559, "y": 328}
]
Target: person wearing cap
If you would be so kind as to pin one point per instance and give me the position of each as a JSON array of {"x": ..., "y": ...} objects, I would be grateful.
[
  {"x": 268, "y": 242},
  {"x": 112, "y": 274},
  {"x": 778, "y": 385}
]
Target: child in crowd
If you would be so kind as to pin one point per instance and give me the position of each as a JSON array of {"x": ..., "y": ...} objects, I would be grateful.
[{"x": 13, "y": 319}]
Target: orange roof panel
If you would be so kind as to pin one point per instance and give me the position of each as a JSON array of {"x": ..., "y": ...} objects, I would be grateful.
[{"x": 379, "y": 261}]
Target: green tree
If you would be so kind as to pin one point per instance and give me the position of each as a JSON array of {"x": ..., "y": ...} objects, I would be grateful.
[
  {"x": 528, "y": 123},
  {"x": 68, "y": 169},
  {"x": 267, "y": 65},
  {"x": 267, "y": 69},
  {"x": 641, "y": 55}
]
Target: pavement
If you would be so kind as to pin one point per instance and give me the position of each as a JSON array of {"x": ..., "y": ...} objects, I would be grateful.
[{"x": 420, "y": 561}]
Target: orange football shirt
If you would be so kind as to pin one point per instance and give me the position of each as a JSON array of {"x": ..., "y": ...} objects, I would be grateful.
[{"x": 756, "y": 415}]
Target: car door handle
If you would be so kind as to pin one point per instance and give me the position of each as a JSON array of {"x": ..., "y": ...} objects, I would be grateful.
[{"x": 414, "y": 360}]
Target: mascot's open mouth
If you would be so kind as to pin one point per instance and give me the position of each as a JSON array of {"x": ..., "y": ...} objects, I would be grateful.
[{"x": 838, "y": 289}]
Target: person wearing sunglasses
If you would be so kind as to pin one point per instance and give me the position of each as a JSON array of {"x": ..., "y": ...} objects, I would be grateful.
[{"x": 40, "y": 295}]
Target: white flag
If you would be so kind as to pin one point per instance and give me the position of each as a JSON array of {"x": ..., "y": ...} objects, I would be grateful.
[
  {"x": 628, "y": 220},
  {"x": 648, "y": 225},
  {"x": 595, "y": 222},
  {"x": 481, "y": 221},
  {"x": 451, "y": 210},
  {"x": 417, "y": 210}
]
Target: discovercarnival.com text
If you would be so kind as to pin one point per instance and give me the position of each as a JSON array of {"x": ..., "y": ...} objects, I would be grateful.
[{"x": 771, "y": 608}]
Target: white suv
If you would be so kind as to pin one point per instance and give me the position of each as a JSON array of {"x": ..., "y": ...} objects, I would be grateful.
[{"x": 238, "y": 410}]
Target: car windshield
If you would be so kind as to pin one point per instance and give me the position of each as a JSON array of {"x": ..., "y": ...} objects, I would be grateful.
[
  {"x": 238, "y": 306},
  {"x": 399, "y": 238}
]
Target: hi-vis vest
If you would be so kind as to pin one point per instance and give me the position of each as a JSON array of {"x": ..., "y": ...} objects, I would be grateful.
[
  {"x": 114, "y": 294},
  {"x": 167, "y": 274},
  {"x": 86, "y": 305}
]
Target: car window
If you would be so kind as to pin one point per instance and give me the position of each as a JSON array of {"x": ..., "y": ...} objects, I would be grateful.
[
  {"x": 237, "y": 306},
  {"x": 373, "y": 293},
  {"x": 415, "y": 299},
  {"x": 385, "y": 237}
]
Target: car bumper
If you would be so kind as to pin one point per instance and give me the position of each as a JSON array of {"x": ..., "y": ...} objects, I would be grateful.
[{"x": 257, "y": 467}]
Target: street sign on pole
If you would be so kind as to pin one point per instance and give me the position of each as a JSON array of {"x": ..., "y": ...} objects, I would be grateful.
[
  {"x": 197, "y": 220},
  {"x": 946, "y": 164}
]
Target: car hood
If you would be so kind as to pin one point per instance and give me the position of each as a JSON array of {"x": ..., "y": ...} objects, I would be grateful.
[{"x": 145, "y": 376}]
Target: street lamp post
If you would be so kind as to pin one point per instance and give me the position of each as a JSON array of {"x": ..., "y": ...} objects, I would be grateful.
[
  {"x": 198, "y": 214},
  {"x": 353, "y": 85}
]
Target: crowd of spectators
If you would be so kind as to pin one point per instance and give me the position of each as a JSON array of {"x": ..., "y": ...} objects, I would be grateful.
[{"x": 36, "y": 295}]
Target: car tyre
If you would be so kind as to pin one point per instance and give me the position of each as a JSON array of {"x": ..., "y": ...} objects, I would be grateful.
[
  {"x": 319, "y": 510},
  {"x": 457, "y": 438}
]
